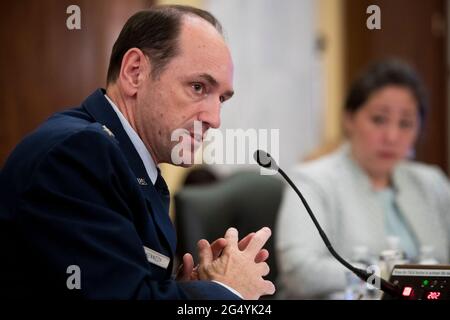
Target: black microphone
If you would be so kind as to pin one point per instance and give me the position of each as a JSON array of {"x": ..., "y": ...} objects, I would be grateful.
[{"x": 266, "y": 161}]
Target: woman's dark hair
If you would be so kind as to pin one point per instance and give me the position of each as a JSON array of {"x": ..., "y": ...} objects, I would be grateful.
[
  {"x": 155, "y": 32},
  {"x": 382, "y": 74}
]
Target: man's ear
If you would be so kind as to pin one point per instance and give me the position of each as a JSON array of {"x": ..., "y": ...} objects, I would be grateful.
[{"x": 134, "y": 70}]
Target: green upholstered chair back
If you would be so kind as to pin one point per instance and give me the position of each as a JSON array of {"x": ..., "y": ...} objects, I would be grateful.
[{"x": 246, "y": 200}]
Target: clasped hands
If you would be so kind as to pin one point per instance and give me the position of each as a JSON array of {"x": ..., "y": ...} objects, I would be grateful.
[{"x": 240, "y": 265}]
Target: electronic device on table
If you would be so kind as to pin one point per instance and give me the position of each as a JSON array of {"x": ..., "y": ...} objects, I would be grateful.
[{"x": 421, "y": 282}]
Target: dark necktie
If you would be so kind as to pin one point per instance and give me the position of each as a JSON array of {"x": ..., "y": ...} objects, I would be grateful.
[{"x": 163, "y": 190}]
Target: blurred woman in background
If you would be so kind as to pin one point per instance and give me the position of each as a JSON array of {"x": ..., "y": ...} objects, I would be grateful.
[{"x": 367, "y": 190}]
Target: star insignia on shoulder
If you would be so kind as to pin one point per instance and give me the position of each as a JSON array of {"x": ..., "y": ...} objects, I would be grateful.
[{"x": 109, "y": 132}]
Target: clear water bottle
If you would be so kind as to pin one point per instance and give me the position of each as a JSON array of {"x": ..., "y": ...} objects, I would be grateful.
[
  {"x": 356, "y": 289},
  {"x": 391, "y": 257},
  {"x": 394, "y": 246},
  {"x": 427, "y": 256},
  {"x": 388, "y": 259}
]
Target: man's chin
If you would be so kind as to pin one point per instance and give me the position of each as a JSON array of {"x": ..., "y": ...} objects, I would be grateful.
[
  {"x": 185, "y": 152},
  {"x": 184, "y": 161},
  {"x": 185, "y": 165}
]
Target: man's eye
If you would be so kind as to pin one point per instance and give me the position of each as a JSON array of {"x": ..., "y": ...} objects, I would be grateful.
[
  {"x": 222, "y": 99},
  {"x": 198, "y": 88}
]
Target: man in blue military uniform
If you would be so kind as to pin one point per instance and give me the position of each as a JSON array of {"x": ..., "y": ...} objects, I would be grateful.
[{"x": 83, "y": 192}]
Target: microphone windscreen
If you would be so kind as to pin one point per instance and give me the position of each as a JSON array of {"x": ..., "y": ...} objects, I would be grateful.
[{"x": 265, "y": 160}]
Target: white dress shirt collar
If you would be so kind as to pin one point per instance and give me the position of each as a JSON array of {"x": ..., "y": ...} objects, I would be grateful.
[{"x": 138, "y": 144}]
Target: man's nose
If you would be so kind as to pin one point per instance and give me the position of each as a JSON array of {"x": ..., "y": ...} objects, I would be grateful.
[{"x": 211, "y": 115}]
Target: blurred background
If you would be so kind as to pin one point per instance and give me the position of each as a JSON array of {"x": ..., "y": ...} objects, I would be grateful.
[{"x": 294, "y": 61}]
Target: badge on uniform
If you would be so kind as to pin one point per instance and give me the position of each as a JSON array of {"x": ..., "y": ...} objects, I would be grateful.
[
  {"x": 157, "y": 258},
  {"x": 142, "y": 182}
]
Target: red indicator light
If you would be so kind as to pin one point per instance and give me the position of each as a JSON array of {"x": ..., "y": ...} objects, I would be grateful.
[
  {"x": 407, "y": 291},
  {"x": 433, "y": 295}
]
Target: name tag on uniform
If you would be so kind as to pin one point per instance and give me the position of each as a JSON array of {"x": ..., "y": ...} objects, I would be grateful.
[{"x": 157, "y": 258}]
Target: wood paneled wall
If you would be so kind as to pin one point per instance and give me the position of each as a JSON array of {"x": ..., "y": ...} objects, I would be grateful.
[{"x": 44, "y": 66}]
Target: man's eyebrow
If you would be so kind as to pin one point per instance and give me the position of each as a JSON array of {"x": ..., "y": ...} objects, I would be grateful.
[{"x": 213, "y": 82}]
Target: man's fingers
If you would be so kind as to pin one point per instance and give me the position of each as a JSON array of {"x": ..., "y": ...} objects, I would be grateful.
[
  {"x": 244, "y": 242},
  {"x": 188, "y": 265},
  {"x": 269, "y": 287},
  {"x": 204, "y": 252},
  {"x": 262, "y": 256},
  {"x": 185, "y": 270},
  {"x": 194, "y": 274},
  {"x": 217, "y": 246},
  {"x": 258, "y": 240},
  {"x": 188, "y": 262},
  {"x": 265, "y": 287},
  {"x": 264, "y": 268},
  {"x": 232, "y": 236}
]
